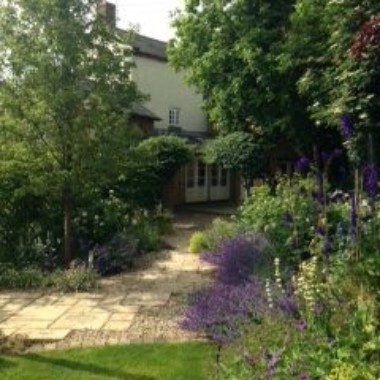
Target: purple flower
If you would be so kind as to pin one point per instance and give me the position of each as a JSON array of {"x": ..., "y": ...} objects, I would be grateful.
[
  {"x": 346, "y": 126},
  {"x": 320, "y": 231},
  {"x": 301, "y": 325},
  {"x": 324, "y": 157},
  {"x": 303, "y": 376},
  {"x": 327, "y": 248},
  {"x": 238, "y": 258},
  {"x": 220, "y": 310},
  {"x": 370, "y": 180},
  {"x": 302, "y": 165},
  {"x": 288, "y": 306}
]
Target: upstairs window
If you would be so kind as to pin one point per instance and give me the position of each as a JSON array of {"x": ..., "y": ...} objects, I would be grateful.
[{"x": 174, "y": 117}]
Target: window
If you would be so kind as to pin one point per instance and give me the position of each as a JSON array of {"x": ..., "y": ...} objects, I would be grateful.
[{"x": 174, "y": 117}]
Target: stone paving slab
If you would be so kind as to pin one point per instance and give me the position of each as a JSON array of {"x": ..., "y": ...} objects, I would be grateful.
[
  {"x": 118, "y": 325},
  {"x": 16, "y": 322},
  {"x": 146, "y": 298},
  {"x": 35, "y": 311},
  {"x": 81, "y": 321},
  {"x": 141, "y": 306},
  {"x": 8, "y": 331},
  {"x": 44, "y": 334}
]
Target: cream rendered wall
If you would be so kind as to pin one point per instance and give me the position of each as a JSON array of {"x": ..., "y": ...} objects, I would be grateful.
[{"x": 168, "y": 90}]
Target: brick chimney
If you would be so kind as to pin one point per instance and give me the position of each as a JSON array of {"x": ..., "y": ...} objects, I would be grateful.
[{"x": 108, "y": 11}]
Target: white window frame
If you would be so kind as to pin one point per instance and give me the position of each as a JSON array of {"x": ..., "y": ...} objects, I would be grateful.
[{"x": 174, "y": 120}]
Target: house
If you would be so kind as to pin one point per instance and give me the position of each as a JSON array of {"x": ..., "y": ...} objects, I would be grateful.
[{"x": 175, "y": 108}]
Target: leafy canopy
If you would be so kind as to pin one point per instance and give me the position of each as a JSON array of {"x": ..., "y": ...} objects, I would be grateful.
[
  {"x": 239, "y": 151},
  {"x": 65, "y": 96}
]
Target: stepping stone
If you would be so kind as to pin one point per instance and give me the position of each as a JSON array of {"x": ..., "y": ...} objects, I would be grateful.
[
  {"x": 16, "y": 322},
  {"x": 146, "y": 298},
  {"x": 16, "y": 305},
  {"x": 119, "y": 309},
  {"x": 8, "y": 332},
  {"x": 121, "y": 317},
  {"x": 117, "y": 325},
  {"x": 46, "y": 300},
  {"x": 49, "y": 313},
  {"x": 44, "y": 334},
  {"x": 87, "y": 302}
]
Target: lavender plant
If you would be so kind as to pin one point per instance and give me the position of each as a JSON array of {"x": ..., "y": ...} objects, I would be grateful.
[
  {"x": 222, "y": 309},
  {"x": 240, "y": 257}
]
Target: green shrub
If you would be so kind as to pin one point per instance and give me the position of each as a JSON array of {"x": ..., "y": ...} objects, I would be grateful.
[
  {"x": 71, "y": 280},
  {"x": 163, "y": 219},
  {"x": 149, "y": 226},
  {"x": 199, "y": 242},
  {"x": 117, "y": 255},
  {"x": 76, "y": 279},
  {"x": 28, "y": 278},
  {"x": 220, "y": 231},
  {"x": 287, "y": 218},
  {"x": 154, "y": 162}
]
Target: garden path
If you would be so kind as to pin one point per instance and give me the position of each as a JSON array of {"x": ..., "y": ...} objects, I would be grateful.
[{"x": 143, "y": 306}]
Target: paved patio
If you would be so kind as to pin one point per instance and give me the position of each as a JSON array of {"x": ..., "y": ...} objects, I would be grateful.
[{"x": 142, "y": 306}]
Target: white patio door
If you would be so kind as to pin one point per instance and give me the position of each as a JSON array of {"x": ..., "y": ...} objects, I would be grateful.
[
  {"x": 219, "y": 183},
  {"x": 196, "y": 182}
]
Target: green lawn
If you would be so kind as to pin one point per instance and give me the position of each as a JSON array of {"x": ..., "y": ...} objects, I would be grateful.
[{"x": 133, "y": 362}]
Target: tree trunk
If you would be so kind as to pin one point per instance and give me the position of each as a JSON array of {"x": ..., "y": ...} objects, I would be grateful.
[{"x": 67, "y": 226}]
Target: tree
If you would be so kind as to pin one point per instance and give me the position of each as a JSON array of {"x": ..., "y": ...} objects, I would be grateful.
[
  {"x": 334, "y": 47},
  {"x": 232, "y": 52},
  {"x": 154, "y": 163},
  {"x": 66, "y": 92},
  {"x": 239, "y": 151}
]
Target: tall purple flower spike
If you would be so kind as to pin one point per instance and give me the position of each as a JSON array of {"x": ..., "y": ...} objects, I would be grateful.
[
  {"x": 370, "y": 180},
  {"x": 302, "y": 165},
  {"x": 346, "y": 126}
]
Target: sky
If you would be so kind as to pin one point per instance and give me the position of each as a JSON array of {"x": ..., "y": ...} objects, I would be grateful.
[{"x": 152, "y": 16}]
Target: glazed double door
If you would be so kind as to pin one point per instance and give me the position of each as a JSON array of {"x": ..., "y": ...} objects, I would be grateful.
[{"x": 206, "y": 182}]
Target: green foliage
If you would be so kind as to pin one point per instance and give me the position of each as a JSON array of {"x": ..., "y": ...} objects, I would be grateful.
[
  {"x": 28, "y": 278},
  {"x": 198, "y": 242},
  {"x": 170, "y": 152},
  {"x": 65, "y": 95},
  {"x": 72, "y": 280},
  {"x": 75, "y": 279},
  {"x": 213, "y": 237},
  {"x": 241, "y": 151},
  {"x": 220, "y": 231},
  {"x": 286, "y": 218},
  {"x": 334, "y": 335},
  {"x": 330, "y": 326},
  {"x": 236, "y": 72},
  {"x": 332, "y": 78},
  {"x": 154, "y": 162}
]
